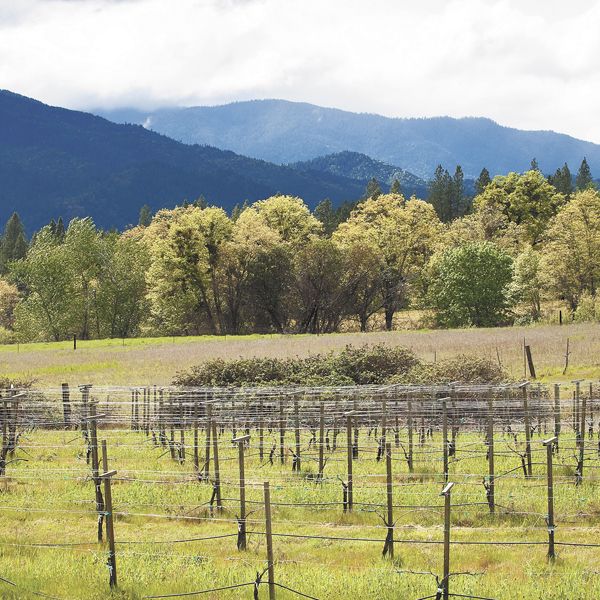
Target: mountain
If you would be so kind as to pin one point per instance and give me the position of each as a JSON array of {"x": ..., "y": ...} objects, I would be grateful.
[
  {"x": 286, "y": 132},
  {"x": 362, "y": 168},
  {"x": 57, "y": 162}
]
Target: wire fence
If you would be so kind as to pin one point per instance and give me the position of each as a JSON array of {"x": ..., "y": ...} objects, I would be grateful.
[{"x": 319, "y": 448}]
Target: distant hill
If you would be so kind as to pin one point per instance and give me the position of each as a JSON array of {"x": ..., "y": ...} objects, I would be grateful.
[
  {"x": 287, "y": 132},
  {"x": 362, "y": 168},
  {"x": 57, "y": 162}
]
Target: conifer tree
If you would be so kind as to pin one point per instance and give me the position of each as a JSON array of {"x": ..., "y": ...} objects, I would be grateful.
[
  {"x": 483, "y": 181},
  {"x": 373, "y": 189},
  {"x": 395, "y": 189},
  {"x": 534, "y": 165},
  {"x": 562, "y": 180},
  {"x": 584, "y": 176},
  {"x": 14, "y": 242},
  {"x": 60, "y": 229},
  {"x": 145, "y": 216},
  {"x": 325, "y": 212}
]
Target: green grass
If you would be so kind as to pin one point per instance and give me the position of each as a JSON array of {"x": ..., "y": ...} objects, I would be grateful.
[
  {"x": 143, "y": 361},
  {"x": 53, "y": 481}
]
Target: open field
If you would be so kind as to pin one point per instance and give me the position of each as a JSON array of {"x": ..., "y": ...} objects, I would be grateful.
[
  {"x": 163, "y": 519},
  {"x": 156, "y": 360}
]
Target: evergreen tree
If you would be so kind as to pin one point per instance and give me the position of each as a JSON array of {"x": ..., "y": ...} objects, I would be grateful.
[
  {"x": 325, "y": 212},
  {"x": 60, "y": 229},
  {"x": 145, "y": 216},
  {"x": 238, "y": 209},
  {"x": 458, "y": 199},
  {"x": 584, "y": 176},
  {"x": 534, "y": 165},
  {"x": 562, "y": 180},
  {"x": 395, "y": 189},
  {"x": 441, "y": 192},
  {"x": 483, "y": 181},
  {"x": 200, "y": 202},
  {"x": 14, "y": 242},
  {"x": 373, "y": 189},
  {"x": 52, "y": 226}
]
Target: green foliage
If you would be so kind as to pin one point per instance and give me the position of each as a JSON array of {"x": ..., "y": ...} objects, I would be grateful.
[
  {"x": 588, "y": 309},
  {"x": 464, "y": 369},
  {"x": 571, "y": 258},
  {"x": 527, "y": 284},
  {"x": 470, "y": 286},
  {"x": 527, "y": 200},
  {"x": 90, "y": 284},
  {"x": 363, "y": 365}
]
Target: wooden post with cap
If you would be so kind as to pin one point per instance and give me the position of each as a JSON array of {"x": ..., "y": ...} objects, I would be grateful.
[
  {"x": 446, "y": 492},
  {"x": 550, "y": 485},
  {"x": 110, "y": 529},
  {"x": 240, "y": 441}
]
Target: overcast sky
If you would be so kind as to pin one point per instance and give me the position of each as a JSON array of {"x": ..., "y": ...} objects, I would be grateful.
[{"x": 531, "y": 64}]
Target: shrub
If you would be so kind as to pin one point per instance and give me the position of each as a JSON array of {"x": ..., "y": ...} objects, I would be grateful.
[
  {"x": 588, "y": 309},
  {"x": 378, "y": 364},
  {"x": 470, "y": 286}
]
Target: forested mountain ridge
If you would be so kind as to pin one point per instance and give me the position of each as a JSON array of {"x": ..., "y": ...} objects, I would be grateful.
[
  {"x": 58, "y": 162},
  {"x": 363, "y": 168},
  {"x": 285, "y": 132}
]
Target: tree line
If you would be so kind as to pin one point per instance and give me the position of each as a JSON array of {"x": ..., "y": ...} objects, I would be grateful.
[{"x": 276, "y": 266}]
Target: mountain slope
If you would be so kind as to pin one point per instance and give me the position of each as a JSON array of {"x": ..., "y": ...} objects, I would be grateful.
[
  {"x": 285, "y": 132},
  {"x": 362, "y": 168},
  {"x": 57, "y": 162}
]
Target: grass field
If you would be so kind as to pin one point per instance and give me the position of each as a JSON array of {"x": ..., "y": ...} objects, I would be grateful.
[
  {"x": 49, "y": 500},
  {"x": 156, "y": 360}
]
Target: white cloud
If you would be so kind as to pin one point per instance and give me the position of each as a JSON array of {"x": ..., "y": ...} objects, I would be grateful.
[{"x": 523, "y": 63}]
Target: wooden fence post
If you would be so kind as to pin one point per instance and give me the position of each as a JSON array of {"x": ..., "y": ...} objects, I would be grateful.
[
  {"x": 550, "y": 483},
  {"x": 216, "y": 465},
  {"x": 321, "y": 439},
  {"x": 196, "y": 452},
  {"x": 207, "y": 443},
  {"x": 582, "y": 435},
  {"x": 389, "y": 542},
  {"x": 525, "y": 388},
  {"x": 491, "y": 493},
  {"x": 410, "y": 435},
  {"x": 66, "y": 395},
  {"x": 445, "y": 436},
  {"x": 110, "y": 530},
  {"x": 296, "y": 463},
  {"x": 93, "y": 419},
  {"x": 556, "y": 414},
  {"x": 350, "y": 460},
  {"x": 530, "y": 362},
  {"x": 446, "y": 492},
  {"x": 281, "y": 431},
  {"x": 241, "y": 544},
  {"x": 261, "y": 430},
  {"x": 269, "y": 536}
]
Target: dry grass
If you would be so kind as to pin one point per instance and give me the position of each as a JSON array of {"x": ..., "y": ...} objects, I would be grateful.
[{"x": 145, "y": 361}]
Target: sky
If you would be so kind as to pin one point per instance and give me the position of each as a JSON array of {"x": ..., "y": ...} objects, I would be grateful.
[{"x": 531, "y": 64}]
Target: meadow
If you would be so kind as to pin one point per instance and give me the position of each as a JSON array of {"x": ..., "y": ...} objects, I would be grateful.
[{"x": 143, "y": 361}]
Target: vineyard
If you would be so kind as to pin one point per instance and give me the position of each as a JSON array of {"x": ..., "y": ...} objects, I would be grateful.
[{"x": 375, "y": 492}]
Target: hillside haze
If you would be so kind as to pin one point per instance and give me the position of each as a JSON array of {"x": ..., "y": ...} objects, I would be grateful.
[
  {"x": 288, "y": 132},
  {"x": 57, "y": 162}
]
